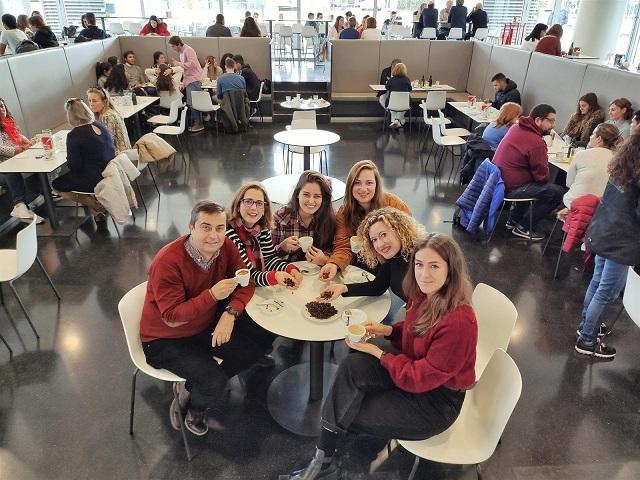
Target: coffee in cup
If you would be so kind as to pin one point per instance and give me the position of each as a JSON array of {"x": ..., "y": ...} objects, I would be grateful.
[
  {"x": 305, "y": 243},
  {"x": 242, "y": 277},
  {"x": 356, "y": 332},
  {"x": 356, "y": 244}
]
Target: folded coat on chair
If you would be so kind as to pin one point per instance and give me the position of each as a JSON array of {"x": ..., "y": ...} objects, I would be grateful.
[
  {"x": 581, "y": 213},
  {"x": 114, "y": 191},
  {"x": 236, "y": 111},
  {"x": 152, "y": 148},
  {"x": 482, "y": 198}
]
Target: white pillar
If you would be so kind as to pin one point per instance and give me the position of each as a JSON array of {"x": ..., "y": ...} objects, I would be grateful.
[{"x": 598, "y": 25}]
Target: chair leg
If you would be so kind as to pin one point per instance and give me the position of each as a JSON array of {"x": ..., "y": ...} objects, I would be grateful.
[
  {"x": 144, "y": 204},
  {"x": 115, "y": 225},
  {"x": 530, "y": 221},
  {"x": 414, "y": 469},
  {"x": 183, "y": 430},
  {"x": 496, "y": 224},
  {"x": 133, "y": 399},
  {"x": 53, "y": 287},
  {"x": 8, "y": 347},
  {"x": 550, "y": 236},
  {"x": 555, "y": 272},
  {"x": 478, "y": 471},
  {"x": 24, "y": 310},
  {"x": 153, "y": 178}
]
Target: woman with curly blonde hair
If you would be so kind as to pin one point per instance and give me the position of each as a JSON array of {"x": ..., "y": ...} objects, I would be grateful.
[{"x": 388, "y": 236}]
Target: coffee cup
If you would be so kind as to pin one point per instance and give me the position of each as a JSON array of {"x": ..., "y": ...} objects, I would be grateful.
[
  {"x": 242, "y": 277},
  {"x": 305, "y": 243},
  {"x": 437, "y": 83},
  {"x": 356, "y": 244},
  {"x": 288, "y": 98},
  {"x": 356, "y": 332}
]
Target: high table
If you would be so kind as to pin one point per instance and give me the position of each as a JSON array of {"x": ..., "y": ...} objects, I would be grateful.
[
  {"x": 306, "y": 138},
  {"x": 474, "y": 114},
  {"x": 280, "y": 187},
  {"x": 295, "y": 395}
]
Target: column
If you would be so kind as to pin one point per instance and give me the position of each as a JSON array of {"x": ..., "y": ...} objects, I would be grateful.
[{"x": 597, "y": 26}]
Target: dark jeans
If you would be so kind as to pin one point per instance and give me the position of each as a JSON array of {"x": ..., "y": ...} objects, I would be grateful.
[
  {"x": 192, "y": 358},
  {"x": 15, "y": 185},
  {"x": 364, "y": 399},
  {"x": 548, "y": 196}
]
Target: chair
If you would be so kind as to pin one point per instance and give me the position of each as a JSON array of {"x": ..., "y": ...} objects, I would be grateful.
[
  {"x": 397, "y": 31},
  {"x": 475, "y": 434},
  {"x": 201, "y": 101},
  {"x": 15, "y": 263},
  {"x": 92, "y": 195},
  {"x": 256, "y": 103},
  {"x": 296, "y": 41},
  {"x": 304, "y": 120},
  {"x": 176, "y": 131},
  {"x": 631, "y": 298},
  {"x": 481, "y": 34},
  {"x": 529, "y": 200},
  {"x": 286, "y": 33},
  {"x": 444, "y": 143},
  {"x": 429, "y": 33},
  {"x": 398, "y": 102},
  {"x": 434, "y": 101},
  {"x": 455, "y": 132},
  {"x": 134, "y": 28},
  {"x": 167, "y": 119},
  {"x": 309, "y": 35},
  {"x": 496, "y": 316},
  {"x": 455, "y": 34},
  {"x": 116, "y": 28},
  {"x": 141, "y": 166},
  {"x": 264, "y": 29}
]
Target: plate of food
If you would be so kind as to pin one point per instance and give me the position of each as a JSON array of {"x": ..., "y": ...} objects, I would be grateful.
[
  {"x": 272, "y": 307},
  {"x": 308, "y": 268},
  {"x": 320, "y": 312}
]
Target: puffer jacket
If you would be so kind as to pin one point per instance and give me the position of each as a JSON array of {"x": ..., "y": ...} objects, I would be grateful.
[
  {"x": 114, "y": 192},
  {"x": 581, "y": 213},
  {"x": 509, "y": 94},
  {"x": 482, "y": 198}
]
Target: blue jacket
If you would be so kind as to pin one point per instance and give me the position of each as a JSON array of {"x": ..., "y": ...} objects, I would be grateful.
[
  {"x": 482, "y": 198},
  {"x": 458, "y": 17}
]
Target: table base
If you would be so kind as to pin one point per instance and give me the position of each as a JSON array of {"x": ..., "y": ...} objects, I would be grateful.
[{"x": 288, "y": 399}]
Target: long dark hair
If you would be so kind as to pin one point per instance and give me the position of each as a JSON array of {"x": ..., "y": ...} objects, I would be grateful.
[
  {"x": 536, "y": 33},
  {"x": 117, "y": 80},
  {"x": 250, "y": 28},
  {"x": 156, "y": 56},
  {"x": 223, "y": 60},
  {"x": 336, "y": 25},
  {"x": 624, "y": 167},
  {"x": 325, "y": 218},
  {"x": 590, "y": 99},
  {"x": 353, "y": 212},
  {"x": 456, "y": 290},
  {"x": 155, "y": 19},
  {"x": 102, "y": 68},
  {"x": 9, "y": 21},
  {"x": 38, "y": 22},
  {"x": 165, "y": 82}
]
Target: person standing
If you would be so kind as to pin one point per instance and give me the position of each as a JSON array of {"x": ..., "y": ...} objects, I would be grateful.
[
  {"x": 429, "y": 17},
  {"x": 458, "y": 16},
  {"x": 192, "y": 77}
]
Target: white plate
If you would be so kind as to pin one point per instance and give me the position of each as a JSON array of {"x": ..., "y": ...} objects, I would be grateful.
[
  {"x": 358, "y": 276},
  {"x": 308, "y": 316},
  {"x": 272, "y": 307},
  {"x": 308, "y": 268},
  {"x": 356, "y": 316}
]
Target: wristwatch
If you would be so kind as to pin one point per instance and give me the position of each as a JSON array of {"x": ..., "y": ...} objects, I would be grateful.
[{"x": 232, "y": 311}]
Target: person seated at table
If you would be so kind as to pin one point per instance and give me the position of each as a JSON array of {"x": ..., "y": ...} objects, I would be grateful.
[
  {"x": 443, "y": 20},
  {"x": 417, "y": 392},
  {"x": 506, "y": 91},
  {"x": 229, "y": 80},
  {"x": 371, "y": 31},
  {"x": 388, "y": 236},
  {"x": 635, "y": 123},
  {"x": 250, "y": 28},
  {"x": 11, "y": 35},
  {"x": 364, "y": 193},
  {"x": 155, "y": 27},
  {"x": 478, "y": 18},
  {"x": 218, "y": 29},
  {"x": 309, "y": 213},
  {"x": 524, "y": 165},
  {"x": 338, "y": 26},
  {"x": 310, "y": 22},
  {"x": 118, "y": 80},
  {"x": 531, "y": 41},
  {"x": 113, "y": 60},
  {"x": 550, "y": 43},
  {"x": 496, "y": 130},
  {"x": 166, "y": 87},
  {"x": 350, "y": 33},
  {"x": 91, "y": 31},
  {"x": 103, "y": 70},
  {"x": 43, "y": 36},
  {"x": 620, "y": 113},
  {"x": 159, "y": 58},
  {"x": 587, "y": 117},
  {"x": 589, "y": 170},
  {"x": 429, "y": 17},
  {"x": 194, "y": 310},
  {"x": 137, "y": 79},
  {"x": 385, "y": 75},
  {"x": 399, "y": 82},
  {"x": 211, "y": 68},
  {"x": 12, "y": 142},
  {"x": 90, "y": 148},
  {"x": 105, "y": 112},
  {"x": 250, "y": 78},
  {"x": 362, "y": 27}
]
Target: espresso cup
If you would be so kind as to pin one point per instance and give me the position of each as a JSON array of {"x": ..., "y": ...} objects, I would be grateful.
[
  {"x": 305, "y": 243},
  {"x": 356, "y": 244},
  {"x": 242, "y": 277},
  {"x": 356, "y": 332}
]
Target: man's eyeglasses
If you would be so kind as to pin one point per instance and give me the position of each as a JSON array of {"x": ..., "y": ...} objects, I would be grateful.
[{"x": 249, "y": 202}]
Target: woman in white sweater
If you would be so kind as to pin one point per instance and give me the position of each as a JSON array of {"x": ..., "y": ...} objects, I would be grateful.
[
  {"x": 588, "y": 173},
  {"x": 334, "y": 32},
  {"x": 371, "y": 32}
]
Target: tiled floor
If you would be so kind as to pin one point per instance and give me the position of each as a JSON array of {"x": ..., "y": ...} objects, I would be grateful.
[{"x": 64, "y": 406}]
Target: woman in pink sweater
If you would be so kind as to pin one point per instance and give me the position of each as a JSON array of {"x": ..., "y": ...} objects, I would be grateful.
[{"x": 417, "y": 391}]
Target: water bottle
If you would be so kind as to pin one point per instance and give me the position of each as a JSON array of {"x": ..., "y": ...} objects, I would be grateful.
[{"x": 134, "y": 99}]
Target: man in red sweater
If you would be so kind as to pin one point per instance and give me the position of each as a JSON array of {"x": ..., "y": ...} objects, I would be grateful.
[
  {"x": 193, "y": 311},
  {"x": 524, "y": 165}
]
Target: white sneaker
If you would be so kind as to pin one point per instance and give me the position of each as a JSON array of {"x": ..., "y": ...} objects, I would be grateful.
[
  {"x": 394, "y": 124},
  {"x": 21, "y": 211}
]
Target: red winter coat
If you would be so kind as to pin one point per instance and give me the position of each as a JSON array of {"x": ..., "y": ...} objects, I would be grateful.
[{"x": 581, "y": 212}]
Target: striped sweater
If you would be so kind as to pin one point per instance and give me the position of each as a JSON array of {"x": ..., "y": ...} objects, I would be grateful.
[{"x": 272, "y": 263}]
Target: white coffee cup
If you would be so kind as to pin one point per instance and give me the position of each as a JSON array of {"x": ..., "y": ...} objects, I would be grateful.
[
  {"x": 242, "y": 277},
  {"x": 305, "y": 243},
  {"x": 437, "y": 83},
  {"x": 356, "y": 332},
  {"x": 288, "y": 98},
  {"x": 356, "y": 244}
]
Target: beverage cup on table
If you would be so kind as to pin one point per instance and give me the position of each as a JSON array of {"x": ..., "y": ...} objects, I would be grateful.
[
  {"x": 356, "y": 332},
  {"x": 437, "y": 83},
  {"x": 47, "y": 143},
  {"x": 288, "y": 98},
  {"x": 356, "y": 244},
  {"x": 305, "y": 243},
  {"x": 242, "y": 277}
]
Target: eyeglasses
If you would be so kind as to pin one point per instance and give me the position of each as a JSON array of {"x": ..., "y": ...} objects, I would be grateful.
[{"x": 249, "y": 202}]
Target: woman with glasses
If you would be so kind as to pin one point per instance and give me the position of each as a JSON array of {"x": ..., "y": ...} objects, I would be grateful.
[{"x": 100, "y": 103}]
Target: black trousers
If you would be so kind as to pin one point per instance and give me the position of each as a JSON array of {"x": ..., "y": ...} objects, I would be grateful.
[
  {"x": 548, "y": 196},
  {"x": 364, "y": 399},
  {"x": 192, "y": 358}
]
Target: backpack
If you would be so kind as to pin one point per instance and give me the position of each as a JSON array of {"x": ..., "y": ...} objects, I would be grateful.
[{"x": 26, "y": 46}]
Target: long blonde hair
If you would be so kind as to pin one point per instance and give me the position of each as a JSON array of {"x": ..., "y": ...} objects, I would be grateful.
[
  {"x": 456, "y": 290},
  {"x": 106, "y": 98},
  {"x": 353, "y": 212},
  {"x": 234, "y": 211}
]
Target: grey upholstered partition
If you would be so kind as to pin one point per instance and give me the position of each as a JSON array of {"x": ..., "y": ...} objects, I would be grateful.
[
  {"x": 80, "y": 58},
  {"x": 449, "y": 62},
  {"x": 9, "y": 94},
  {"x": 354, "y": 66},
  {"x": 555, "y": 81},
  {"x": 42, "y": 104},
  {"x": 610, "y": 84},
  {"x": 111, "y": 48},
  {"x": 255, "y": 51},
  {"x": 478, "y": 68},
  {"x": 413, "y": 53},
  {"x": 144, "y": 48},
  {"x": 513, "y": 62}
]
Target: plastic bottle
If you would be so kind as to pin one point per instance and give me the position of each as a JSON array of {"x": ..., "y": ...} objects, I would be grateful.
[{"x": 422, "y": 82}]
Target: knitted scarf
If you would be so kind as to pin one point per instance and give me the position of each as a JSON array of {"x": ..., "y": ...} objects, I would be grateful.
[
  {"x": 9, "y": 126},
  {"x": 249, "y": 237}
]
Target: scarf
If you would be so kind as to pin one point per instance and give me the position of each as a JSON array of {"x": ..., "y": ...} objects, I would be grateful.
[
  {"x": 11, "y": 129},
  {"x": 249, "y": 238}
]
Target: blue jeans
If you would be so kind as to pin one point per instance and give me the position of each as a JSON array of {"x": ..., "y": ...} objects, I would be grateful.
[
  {"x": 196, "y": 116},
  {"x": 606, "y": 284},
  {"x": 15, "y": 185}
]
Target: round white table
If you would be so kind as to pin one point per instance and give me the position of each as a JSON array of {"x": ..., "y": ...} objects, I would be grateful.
[
  {"x": 305, "y": 105},
  {"x": 295, "y": 396},
  {"x": 280, "y": 187},
  {"x": 306, "y": 138}
]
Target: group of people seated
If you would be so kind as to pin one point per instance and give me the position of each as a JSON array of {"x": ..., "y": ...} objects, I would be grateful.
[
  {"x": 22, "y": 31},
  {"x": 452, "y": 16}
]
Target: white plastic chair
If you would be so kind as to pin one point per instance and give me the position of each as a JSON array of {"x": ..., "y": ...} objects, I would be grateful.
[
  {"x": 631, "y": 298},
  {"x": 475, "y": 434},
  {"x": 286, "y": 34},
  {"x": 116, "y": 28},
  {"x": 455, "y": 132},
  {"x": 310, "y": 36},
  {"x": 167, "y": 119},
  {"x": 304, "y": 120},
  {"x": 135, "y": 27},
  {"x": 201, "y": 101},
  {"x": 496, "y": 316},
  {"x": 436, "y": 100},
  {"x": 176, "y": 131},
  {"x": 429, "y": 33},
  {"x": 444, "y": 143},
  {"x": 455, "y": 34},
  {"x": 398, "y": 102},
  {"x": 481, "y": 34},
  {"x": 16, "y": 262},
  {"x": 397, "y": 31},
  {"x": 256, "y": 103}
]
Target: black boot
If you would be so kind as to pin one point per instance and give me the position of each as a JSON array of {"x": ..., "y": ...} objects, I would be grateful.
[{"x": 320, "y": 467}]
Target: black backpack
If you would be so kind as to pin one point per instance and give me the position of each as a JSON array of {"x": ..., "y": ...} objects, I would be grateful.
[{"x": 26, "y": 46}]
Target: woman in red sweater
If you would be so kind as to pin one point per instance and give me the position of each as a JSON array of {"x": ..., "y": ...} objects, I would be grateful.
[
  {"x": 417, "y": 392},
  {"x": 155, "y": 27},
  {"x": 550, "y": 43}
]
